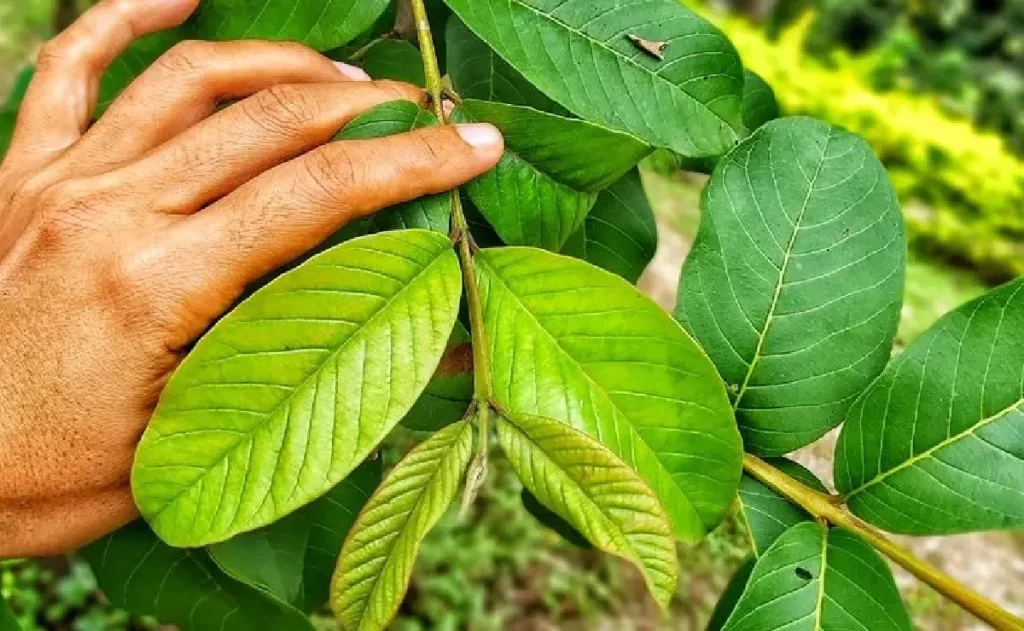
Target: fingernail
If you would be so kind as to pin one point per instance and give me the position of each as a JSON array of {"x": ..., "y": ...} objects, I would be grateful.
[
  {"x": 352, "y": 73},
  {"x": 480, "y": 135}
]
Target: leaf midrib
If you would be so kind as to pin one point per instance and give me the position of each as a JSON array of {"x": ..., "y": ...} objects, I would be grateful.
[
  {"x": 288, "y": 399},
  {"x": 628, "y": 60}
]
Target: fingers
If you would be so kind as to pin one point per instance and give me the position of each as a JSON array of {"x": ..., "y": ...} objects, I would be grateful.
[
  {"x": 187, "y": 83},
  {"x": 239, "y": 143},
  {"x": 291, "y": 209},
  {"x": 58, "y": 526},
  {"x": 63, "y": 93}
]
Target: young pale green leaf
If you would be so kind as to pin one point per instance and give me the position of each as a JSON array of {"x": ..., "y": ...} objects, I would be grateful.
[
  {"x": 553, "y": 520},
  {"x": 620, "y": 233},
  {"x": 768, "y": 514},
  {"x": 759, "y": 103},
  {"x": 432, "y": 212},
  {"x": 142, "y": 575},
  {"x": 731, "y": 596},
  {"x": 477, "y": 72},
  {"x": 288, "y": 393},
  {"x": 815, "y": 579},
  {"x": 583, "y": 482},
  {"x": 292, "y": 559},
  {"x": 795, "y": 281},
  {"x": 585, "y": 56},
  {"x": 449, "y": 393},
  {"x": 320, "y": 24},
  {"x": 936, "y": 445},
  {"x": 394, "y": 59},
  {"x": 378, "y": 556},
  {"x": 555, "y": 182},
  {"x": 578, "y": 344}
]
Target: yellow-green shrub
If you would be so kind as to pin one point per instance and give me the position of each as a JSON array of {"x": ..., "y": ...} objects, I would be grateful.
[{"x": 962, "y": 189}]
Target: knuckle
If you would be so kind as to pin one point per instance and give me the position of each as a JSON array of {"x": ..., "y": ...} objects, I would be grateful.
[
  {"x": 52, "y": 55},
  {"x": 185, "y": 57},
  {"x": 282, "y": 109},
  {"x": 334, "y": 173}
]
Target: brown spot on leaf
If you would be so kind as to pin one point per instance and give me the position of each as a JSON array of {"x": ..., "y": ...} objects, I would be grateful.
[
  {"x": 652, "y": 47},
  {"x": 456, "y": 360}
]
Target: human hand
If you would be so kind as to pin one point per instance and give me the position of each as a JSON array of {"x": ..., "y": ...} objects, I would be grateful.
[{"x": 120, "y": 243}]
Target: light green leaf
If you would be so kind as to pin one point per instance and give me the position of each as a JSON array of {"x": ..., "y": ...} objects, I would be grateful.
[
  {"x": 581, "y": 55},
  {"x": 142, "y": 575},
  {"x": 620, "y": 233},
  {"x": 795, "y": 281},
  {"x": 429, "y": 213},
  {"x": 320, "y": 24},
  {"x": 768, "y": 514},
  {"x": 731, "y": 596},
  {"x": 575, "y": 343},
  {"x": 815, "y": 579},
  {"x": 477, "y": 72},
  {"x": 287, "y": 394},
  {"x": 394, "y": 59},
  {"x": 449, "y": 393},
  {"x": 553, "y": 520},
  {"x": 583, "y": 482},
  {"x": 936, "y": 445},
  {"x": 377, "y": 559},
  {"x": 292, "y": 559},
  {"x": 759, "y": 104},
  {"x": 555, "y": 183}
]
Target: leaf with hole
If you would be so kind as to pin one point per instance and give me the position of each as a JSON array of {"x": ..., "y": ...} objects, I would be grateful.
[
  {"x": 813, "y": 578},
  {"x": 396, "y": 60},
  {"x": 293, "y": 559},
  {"x": 766, "y": 513},
  {"x": 795, "y": 282},
  {"x": 450, "y": 392},
  {"x": 555, "y": 183},
  {"x": 377, "y": 559},
  {"x": 288, "y": 393},
  {"x": 581, "y": 55},
  {"x": 144, "y": 576},
  {"x": 319, "y": 24},
  {"x": 584, "y": 483},
  {"x": 620, "y": 233},
  {"x": 936, "y": 445},
  {"x": 578, "y": 344}
]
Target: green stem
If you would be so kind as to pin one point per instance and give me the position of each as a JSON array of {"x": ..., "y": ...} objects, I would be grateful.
[{"x": 825, "y": 507}]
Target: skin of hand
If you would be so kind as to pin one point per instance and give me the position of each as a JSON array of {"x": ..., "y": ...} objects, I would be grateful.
[{"x": 123, "y": 240}]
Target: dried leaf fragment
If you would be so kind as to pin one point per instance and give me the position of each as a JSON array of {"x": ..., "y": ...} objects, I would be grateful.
[{"x": 653, "y": 48}]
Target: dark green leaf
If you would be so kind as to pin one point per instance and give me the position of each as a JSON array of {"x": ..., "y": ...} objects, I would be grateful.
[
  {"x": 292, "y": 559},
  {"x": 377, "y": 559},
  {"x": 813, "y": 578},
  {"x": 620, "y": 233},
  {"x": 288, "y": 393},
  {"x": 541, "y": 191},
  {"x": 731, "y": 596},
  {"x": 552, "y": 520},
  {"x": 580, "y": 54},
  {"x": 768, "y": 514},
  {"x": 139, "y": 573},
  {"x": 394, "y": 59},
  {"x": 936, "y": 445},
  {"x": 477, "y": 72},
  {"x": 7, "y": 619},
  {"x": 19, "y": 87},
  {"x": 575, "y": 343},
  {"x": 795, "y": 281},
  {"x": 449, "y": 393},
  {"x": 320, "y": 24},
  {"x": 7, "y": 121},
  {"x": 583, "y": 482},
  {"x": 759, "y": 104}
]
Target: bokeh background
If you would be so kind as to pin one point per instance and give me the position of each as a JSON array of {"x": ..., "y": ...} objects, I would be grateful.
[{"x": 937, "y": 88}]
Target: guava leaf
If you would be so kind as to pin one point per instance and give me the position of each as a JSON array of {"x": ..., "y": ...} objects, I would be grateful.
[
  {"x": 768, "y": 514},
  {"x": 449, "y": 393},
  {"x": 795, "y": 282},
  {"x": 288, "y": 393},
  {"x": 394, "y": 59},
  {"x": 759, "y": 103},
  {"x": 292, "y": 559},
  {"x": 144, "y": 576},
  {"x": 620, "y": 233},
  {"x": 583, "y": 482},
  {"x": 378, "y": 556},
  {"x": 477, "y": 72},
  {"x": 320, "y": 24},
  {"x": 544, "y": 185},
  {"x": 553, "y": 521},
  {"x": 813, "y": 578},
  {"x": 731, "y": 596},
  {"x": 580, "y": 55},
  {"x": 936, "y": 445},
  {"x": 7, "y": 620},
  {"x": 578, "y": 344}
]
